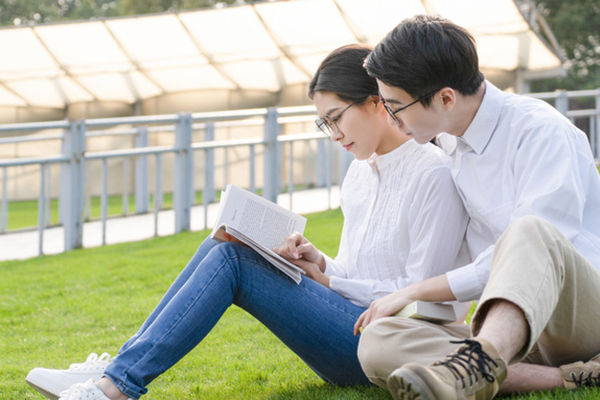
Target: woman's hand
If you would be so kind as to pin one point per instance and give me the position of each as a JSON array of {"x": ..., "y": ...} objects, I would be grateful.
[
  {"x": 383, "y": 307},
  {"x": 312, "y": 271},
  {"x": 297, "y": 247}
]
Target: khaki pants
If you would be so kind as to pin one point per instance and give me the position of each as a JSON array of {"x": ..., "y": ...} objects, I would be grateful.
[{"x": 535, "y": 267}]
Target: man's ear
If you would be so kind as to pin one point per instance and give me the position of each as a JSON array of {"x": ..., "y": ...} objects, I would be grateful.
[{"x": 448, "y": 97}]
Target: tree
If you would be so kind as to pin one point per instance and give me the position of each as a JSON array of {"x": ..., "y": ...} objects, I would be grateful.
[
  {"x": 576, "y": 26},
  {"x": 30, "y": 12}
]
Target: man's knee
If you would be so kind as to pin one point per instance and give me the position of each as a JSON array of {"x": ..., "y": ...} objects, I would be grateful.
[{"x": 372, "y": 351}]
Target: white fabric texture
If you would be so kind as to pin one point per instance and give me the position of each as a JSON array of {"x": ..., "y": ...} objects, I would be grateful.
[
  {"x": 403, "y": 222},
  {"x": 521, "y": 157}
]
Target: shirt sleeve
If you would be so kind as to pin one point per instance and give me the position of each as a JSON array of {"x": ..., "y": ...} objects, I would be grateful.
[
  {"x": 548, "y": 183},
  {"x": 437, "y": 227}
]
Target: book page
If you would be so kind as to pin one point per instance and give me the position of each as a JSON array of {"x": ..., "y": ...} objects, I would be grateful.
[
  {"x": 252, "y": 220},
  {"x": 257, "y": 218}
]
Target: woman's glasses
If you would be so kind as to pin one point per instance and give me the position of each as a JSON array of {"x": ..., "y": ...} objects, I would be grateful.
[
  {"x": 393, "y": 113},
  {"x": 328, "y": 125}
]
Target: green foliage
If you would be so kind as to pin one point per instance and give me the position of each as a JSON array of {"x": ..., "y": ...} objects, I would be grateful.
[
  {"x": 576, "y": 25},
  {"x": 29, "y": 12}
]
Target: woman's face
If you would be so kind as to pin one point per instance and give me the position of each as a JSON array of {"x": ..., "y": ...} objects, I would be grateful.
[{"x": 360, "y": 129}]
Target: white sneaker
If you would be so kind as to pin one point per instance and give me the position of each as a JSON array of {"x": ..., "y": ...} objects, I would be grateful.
[
  {"x": 52, "y": 382},
  {"x": 83, "y": 391}
]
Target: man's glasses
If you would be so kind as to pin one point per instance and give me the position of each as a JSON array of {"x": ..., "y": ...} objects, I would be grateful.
[
  {"x": 393, "y": 113},
  {"x": 328, "y": 125}
]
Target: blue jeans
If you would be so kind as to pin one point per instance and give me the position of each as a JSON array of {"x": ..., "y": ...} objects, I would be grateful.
[{"x": 313, "y": 321}]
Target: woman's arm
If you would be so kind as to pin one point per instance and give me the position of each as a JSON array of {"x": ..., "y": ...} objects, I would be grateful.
[{"x": 432, "y": 289}]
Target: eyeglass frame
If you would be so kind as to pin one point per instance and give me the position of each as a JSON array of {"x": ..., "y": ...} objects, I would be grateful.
[
  {"x": 328, "y": 129},
  {"x": 392, "y": 113}
]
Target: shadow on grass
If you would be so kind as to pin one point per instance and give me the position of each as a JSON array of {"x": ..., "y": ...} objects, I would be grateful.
[{"x": 327, "y": 391}]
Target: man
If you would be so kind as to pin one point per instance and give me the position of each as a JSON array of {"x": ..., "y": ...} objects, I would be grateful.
[{"x": 528, "y": 180}]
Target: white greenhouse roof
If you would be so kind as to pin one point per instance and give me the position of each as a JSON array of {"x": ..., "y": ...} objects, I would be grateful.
[{"x": 264, "y": 46}]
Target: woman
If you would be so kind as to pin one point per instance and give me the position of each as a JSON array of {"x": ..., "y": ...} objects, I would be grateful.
[{"x": 395, "y": 233}]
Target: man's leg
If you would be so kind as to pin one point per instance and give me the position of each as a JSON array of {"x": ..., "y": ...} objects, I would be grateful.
[
  {"x": 540, "y": 289},
  {"x": 389, "y": 343}
]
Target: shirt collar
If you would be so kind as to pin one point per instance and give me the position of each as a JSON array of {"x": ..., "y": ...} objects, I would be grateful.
[
  {"x": 381, "y": 162},
  {"x": 480, "y": 131}
]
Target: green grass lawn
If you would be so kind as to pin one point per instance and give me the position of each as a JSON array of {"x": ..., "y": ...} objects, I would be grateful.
[{"x": 55, "y": 310}]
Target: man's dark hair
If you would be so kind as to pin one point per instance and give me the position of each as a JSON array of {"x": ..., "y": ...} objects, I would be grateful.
[
  {"x": 342, "y": 73},
  {"x": 426, "y": 53}
]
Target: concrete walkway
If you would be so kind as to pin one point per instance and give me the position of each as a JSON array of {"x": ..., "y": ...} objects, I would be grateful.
[{"x": 23, "y": 245}]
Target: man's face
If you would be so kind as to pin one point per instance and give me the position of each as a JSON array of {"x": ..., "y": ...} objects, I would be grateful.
[{"x": 416, "y": 121}]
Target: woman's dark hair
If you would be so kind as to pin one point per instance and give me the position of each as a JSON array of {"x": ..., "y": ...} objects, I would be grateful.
[
  {"x": 342, "y": 73},
  {"x": 424, "y": 54}
]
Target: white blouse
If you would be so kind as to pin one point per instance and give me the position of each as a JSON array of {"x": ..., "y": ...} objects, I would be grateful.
[{"x": 403, "y": 222}]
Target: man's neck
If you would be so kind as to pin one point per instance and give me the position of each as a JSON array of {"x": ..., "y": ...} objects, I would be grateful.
[{"x": 465, "y": 111}]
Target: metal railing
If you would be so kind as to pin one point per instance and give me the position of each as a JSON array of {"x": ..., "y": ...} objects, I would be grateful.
[
  {"x": 75, "y": 156},
  {"x": 590, "y": 116}
]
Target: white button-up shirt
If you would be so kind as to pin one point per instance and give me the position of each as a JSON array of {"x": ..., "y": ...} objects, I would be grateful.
[
  {"x": 403, "y": 222},
  {"x": 521, "y": 157}
]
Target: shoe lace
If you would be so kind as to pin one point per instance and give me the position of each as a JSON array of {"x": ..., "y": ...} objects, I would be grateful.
[
  {"x": 78, "y": 390},
  {"x": 470, "y": 358},
  {"x": 92, "y": 362},
  {"x": 586, "y": 380}
]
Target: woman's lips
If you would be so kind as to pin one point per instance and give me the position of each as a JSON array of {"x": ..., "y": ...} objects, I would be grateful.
[{"x": 347, "y": 147}]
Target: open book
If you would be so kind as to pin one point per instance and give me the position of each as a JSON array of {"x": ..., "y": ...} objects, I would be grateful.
[
  {"x": 258, "y": 223},
  {"x": 441, "y": 313}
]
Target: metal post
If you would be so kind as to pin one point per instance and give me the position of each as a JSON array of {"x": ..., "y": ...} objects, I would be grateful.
[
  {"x": 209, "y": 192},
  {"x": 308, "y": 166},
  {"x": 225, "y": 166},
  {"x": 252, "y": 168},
  {"x": 142, "y": 191},
  {"x": 182, "y": 184},
  {"x": 41, "y": 208},
  {"x": 562, "y": 102},
  {"x": 271, "y": 158},
  {"x": 72, "y": 186},
  {"x": 125, "y": 185},
  {"x": 596, "y": 130},
  {"x": 104, "y": 199},
  {"x": 48, "y": 192},
  {"x": 321, "y": 163},
  {"x": 4, "y": 199},
  {"x": 291, "y": 174},
  {"x": 157, "y": 190},
  {"x": 344, "y": 160}
]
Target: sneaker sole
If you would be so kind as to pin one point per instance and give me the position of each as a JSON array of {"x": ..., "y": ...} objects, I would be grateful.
[
  {"x": 43, "y": 391},
  {"x": 405, "y": 385}
]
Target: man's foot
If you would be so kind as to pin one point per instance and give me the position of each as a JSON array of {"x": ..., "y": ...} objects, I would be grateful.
[
  {"x": 83, "y": 391},
  {"x": 581, "y": 374},
  {"x": 474, "y": 372},
  {"x": 52, "y": 382}
]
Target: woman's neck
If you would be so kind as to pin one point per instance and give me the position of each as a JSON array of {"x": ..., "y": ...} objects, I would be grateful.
[{"x": 391, "y": 139}]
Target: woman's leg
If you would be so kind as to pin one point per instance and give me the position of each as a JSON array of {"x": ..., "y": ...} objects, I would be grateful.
[
  {"x": 201, "y": 252},
  {"x": 312, "y": 320}
]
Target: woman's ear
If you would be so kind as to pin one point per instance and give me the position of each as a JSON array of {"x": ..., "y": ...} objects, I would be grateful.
[{"x": 375, "y": 99}]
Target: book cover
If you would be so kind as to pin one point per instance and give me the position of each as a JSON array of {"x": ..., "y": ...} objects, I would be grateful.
[{"x": 440, "y": 313}]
